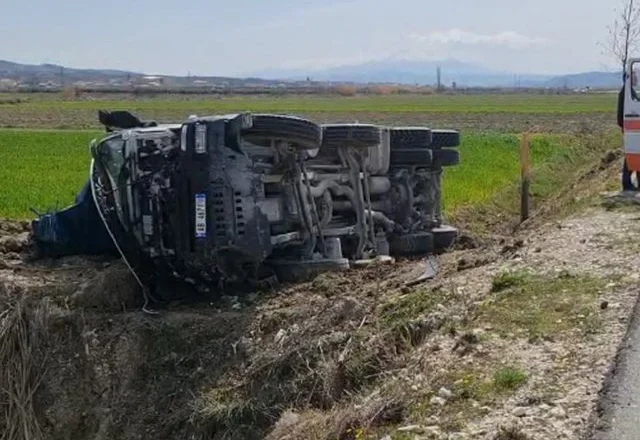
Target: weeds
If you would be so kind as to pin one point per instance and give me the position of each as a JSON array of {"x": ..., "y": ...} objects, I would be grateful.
[
  {"x": 510, "y": 433},
  {"x": 542, "y": 306},
  {"x": 22, "y": 340},
  {"x": 506, "y": 280},
  {"x": 480, "y": 387},
  {"x": 409, "y": 306},
  {"x": 508, "y": 379}
]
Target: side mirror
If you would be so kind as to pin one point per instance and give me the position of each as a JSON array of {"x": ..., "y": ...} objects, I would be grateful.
[{"x": 118, "y": 119}]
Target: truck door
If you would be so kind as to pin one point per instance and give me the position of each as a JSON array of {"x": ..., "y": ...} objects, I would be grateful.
[{"x": 632, "y": 117}]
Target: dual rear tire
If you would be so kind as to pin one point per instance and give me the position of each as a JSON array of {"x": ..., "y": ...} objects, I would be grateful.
[{"x": 423, "y": 147}]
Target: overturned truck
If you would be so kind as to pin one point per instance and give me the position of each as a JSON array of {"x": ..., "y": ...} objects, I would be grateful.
[{"x": 254, "y": 198}]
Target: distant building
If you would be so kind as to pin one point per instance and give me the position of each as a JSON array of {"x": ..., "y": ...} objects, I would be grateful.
[
  {"x": 150, "y": 80},
  {"x": 7, "y": 83}
]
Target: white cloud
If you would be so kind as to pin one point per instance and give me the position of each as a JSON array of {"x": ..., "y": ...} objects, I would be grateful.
[{"x": 507, "y": 39}]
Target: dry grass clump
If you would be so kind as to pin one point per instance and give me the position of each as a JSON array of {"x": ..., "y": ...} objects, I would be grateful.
[{"x": 23, "y": 332}]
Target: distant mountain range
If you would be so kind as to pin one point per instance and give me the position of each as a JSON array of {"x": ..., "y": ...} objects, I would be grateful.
[
  {"x": 13, "y": 70},
  {"x": 56, "y": 75},
  {"x": 425, "y": 72},
  {"x": 383, "y": 71}
]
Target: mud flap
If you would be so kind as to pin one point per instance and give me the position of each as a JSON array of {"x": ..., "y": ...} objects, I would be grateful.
[
  {"x": 75, "y": 230},
  {"x": 430, "y": 271}
]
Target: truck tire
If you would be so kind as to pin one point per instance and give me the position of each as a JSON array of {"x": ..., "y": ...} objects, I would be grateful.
[
  {"x": 418, "y": 243},
  {"x": 445, "y": 138},
  {"x": 351, "y": 135},
  {"x": 410, "y": 137},
  {"x": 299, "y": 133},
  {"x": 446, "y": 158},
  {"x": 412, "y": 157},
  {"x": 379, "y": 160}
]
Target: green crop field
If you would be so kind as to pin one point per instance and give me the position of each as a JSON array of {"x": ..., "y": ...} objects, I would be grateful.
[
  {"x": 489, "y": 162},
  {"x": 41, "y": 170},
  {"x": 44, "y": 169}
]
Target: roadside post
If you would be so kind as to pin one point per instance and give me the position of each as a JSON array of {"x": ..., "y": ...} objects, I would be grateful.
[{"x": 524, "y": 177}]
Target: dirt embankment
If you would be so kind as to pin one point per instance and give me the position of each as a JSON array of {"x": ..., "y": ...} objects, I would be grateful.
[{"x": 510, "y": 341}]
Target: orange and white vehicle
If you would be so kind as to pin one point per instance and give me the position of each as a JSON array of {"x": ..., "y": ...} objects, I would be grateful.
[{"x": 632, "y": 117}]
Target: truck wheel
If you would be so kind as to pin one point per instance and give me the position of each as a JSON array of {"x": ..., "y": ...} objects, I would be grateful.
[
  {"x": 411, "y": 244},
  {"x": 410, "y": 137},
  {"x": 411, "y": 157},
  {"x": 446, "y": 158},
  {"x": 351, "y": 135},
  {"x": 445, "y": 138},
  {"x": 299, "y": 133}
]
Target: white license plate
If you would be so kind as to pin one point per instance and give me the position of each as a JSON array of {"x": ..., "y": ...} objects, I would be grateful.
[
  {"x": 201, "y": 215},
  {"x": 201, "y": 138}
]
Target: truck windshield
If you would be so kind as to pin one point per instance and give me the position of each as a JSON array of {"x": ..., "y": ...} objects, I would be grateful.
[
  {"x": 112, "y": 152},
  {"x": 111, "y": 156}
]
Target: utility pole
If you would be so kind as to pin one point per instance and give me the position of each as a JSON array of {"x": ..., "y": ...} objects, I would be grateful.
[
  {"x": 439, "y": 76},
  {"x": 524, "y": 177}
]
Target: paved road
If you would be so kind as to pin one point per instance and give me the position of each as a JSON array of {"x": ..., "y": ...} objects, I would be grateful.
[{"x": 620, "y": 403}]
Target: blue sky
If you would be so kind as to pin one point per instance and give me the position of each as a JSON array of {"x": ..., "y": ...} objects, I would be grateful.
[{"x": 237, "y": 37}]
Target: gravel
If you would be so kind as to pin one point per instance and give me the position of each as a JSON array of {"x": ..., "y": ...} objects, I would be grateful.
[{"x": 568, "y": 370}]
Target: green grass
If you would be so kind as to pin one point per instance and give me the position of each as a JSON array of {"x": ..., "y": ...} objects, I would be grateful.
[
  {"x": 542, "y": 306},
  {"x": 41, "y": 170},
  {"x": 489, "y": 162},
  {"x": 508, "y": 378},
  {"x": 564, "y": 180},
  {"x": 485, "y": 384},
  {"x": 518, "y": 103},
  {"x": 482, "y": 387},
  {"x": 506, "y": 280},
  {"x": 44, "y": 169}
]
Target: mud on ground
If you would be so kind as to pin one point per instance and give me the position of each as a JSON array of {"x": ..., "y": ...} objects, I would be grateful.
[{"x": 511, "y": 340}]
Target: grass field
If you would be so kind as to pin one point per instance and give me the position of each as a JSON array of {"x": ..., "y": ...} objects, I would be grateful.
[
  {"x": 489, "y": 162},
  {"x": 41, "y": 170},
  {"x": 44, "y": 170}
]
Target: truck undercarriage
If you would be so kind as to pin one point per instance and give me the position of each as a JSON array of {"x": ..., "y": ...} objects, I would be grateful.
[{"x": 254, "y": 198}]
